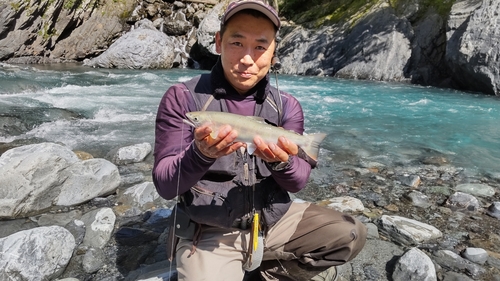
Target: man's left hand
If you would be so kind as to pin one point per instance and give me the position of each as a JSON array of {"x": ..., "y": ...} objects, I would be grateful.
[{"x": 271, "y": 152}]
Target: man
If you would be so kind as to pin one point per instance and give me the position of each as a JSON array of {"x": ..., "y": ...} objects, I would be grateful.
[{"x": 222, "y": 188}]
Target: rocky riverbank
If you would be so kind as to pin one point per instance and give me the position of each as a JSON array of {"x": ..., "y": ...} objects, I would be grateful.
[
  {"x": 440, "y": 43},
  {"x": 69, "y": 216}
]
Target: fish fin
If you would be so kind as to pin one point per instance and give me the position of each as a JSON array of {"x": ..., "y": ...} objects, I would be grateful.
[
  {"x": 251, "y": 148},
  {"x": 312, "y": 147}
]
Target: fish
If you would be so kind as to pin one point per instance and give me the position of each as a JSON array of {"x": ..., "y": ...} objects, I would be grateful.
[{"x": 250, "y": 126}]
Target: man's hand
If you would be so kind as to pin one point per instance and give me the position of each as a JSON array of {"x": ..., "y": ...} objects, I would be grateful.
[
  {"x": 223, "y": 144},
  {"x": 275, "y": 152}
]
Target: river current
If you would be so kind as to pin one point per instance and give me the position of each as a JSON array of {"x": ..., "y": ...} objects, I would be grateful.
[{"x": 365, "y": 122}]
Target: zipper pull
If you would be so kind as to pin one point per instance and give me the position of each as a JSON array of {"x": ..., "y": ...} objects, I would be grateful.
[{"x": 246, "y": 171}]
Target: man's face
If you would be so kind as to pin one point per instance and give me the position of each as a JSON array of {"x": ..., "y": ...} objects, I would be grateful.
[{"x": 246, "y": 49}]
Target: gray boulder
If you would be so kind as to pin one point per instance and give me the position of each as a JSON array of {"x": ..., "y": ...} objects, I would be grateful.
[
  {"x": 476, "y": 189},
  {"x": 177, "y": 25},
  {"x": 405, "y": 231},
  {"x": 138, "y": 199},
  {"x": 131, "y": 154},
  {"x": 143, "y": 47},
  {"x": 452, "y": 261},
  {"x": 464, "y": 201},
  {"x": 99, "y": 225},
  {"x": 37, "y": 254},
  {"x": 414, "y": 265},
  {"x": 39, "y": 176}
]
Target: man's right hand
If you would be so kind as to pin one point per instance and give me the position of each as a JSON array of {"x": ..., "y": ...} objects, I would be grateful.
[{"x": 223, "y": 144}]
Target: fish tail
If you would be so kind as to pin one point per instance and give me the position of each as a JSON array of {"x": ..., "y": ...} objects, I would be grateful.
[{"x": 312, "y": 147}]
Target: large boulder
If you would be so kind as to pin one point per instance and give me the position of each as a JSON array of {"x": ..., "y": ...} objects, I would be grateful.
[
  {"x": 39, "y": 176},
  {"x": 36, "y": 254},
  {"x": 143, "y": 47}
]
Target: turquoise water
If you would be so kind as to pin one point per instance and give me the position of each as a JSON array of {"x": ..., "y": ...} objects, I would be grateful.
[{"x": 388, "y": 123}]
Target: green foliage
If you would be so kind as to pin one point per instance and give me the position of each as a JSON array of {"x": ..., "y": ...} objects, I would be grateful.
[
  {"x": 314, "y": 13},
  {"x": 72, "y": 4},
  {"x": 320, "y": 12},
  {"x": 16, "y": 6},
  {"x": 125, "y": 14},
  {"x": 442, "y": 7},
  {"x": 47, "y": 31}
]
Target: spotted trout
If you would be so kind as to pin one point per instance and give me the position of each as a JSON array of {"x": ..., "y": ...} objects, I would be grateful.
[{"x": 250, "y": 126}]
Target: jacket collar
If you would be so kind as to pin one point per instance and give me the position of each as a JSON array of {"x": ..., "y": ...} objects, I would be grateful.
[{"x": 222, "y": 87}]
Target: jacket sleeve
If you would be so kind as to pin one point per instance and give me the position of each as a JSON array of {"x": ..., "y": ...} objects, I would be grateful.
[
  {"x": 295, "y": 177},
  {"x": 178, "y": 164}
]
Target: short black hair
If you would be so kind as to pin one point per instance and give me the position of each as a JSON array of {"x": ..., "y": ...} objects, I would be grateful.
[{"x": 250, "y": 12}]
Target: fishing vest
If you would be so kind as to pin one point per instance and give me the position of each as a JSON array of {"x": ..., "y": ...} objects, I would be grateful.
[{"x": 237, "y": 183}]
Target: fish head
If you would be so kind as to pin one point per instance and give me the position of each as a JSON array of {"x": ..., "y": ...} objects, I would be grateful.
[{"x": 196, "y": 118}]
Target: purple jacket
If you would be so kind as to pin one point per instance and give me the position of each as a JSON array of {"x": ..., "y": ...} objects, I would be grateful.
[{"x": 179, "y": 165}]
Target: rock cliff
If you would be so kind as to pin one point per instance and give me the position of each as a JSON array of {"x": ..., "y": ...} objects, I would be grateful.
[{"x": 439, "y": 43}]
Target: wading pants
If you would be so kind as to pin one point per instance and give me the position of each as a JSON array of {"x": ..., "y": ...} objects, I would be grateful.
[{"x": 308, "y": 236}]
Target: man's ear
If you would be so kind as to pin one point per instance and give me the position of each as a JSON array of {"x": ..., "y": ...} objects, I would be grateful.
[{"x": 218, "y": 42}]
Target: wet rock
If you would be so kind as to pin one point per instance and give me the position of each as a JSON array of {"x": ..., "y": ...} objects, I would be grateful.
[
  {"x": 494, "y": 210},
  {"x": 372, "y": 230},
  {"x": 410, "y": 180},
  {"x": 99, "y": 225},
  {"x": 135, "y": 236},
  {"x": 138, "y": 199},
  {"x": 477, "y": 255},
  {"x": 414, "y": 265},
  {"x": 77, "y": 228},
  {"x": 444, "y": 190},
  {"x": 476, "y": 189},
  {"x": 406, "y": 231},
  {"x": 60, "y": 219},
  {"x": 454, "y": 276},
  {"x": 418, "y": 199},
  {"x": 131, "y": 154},
  {"x": 435, "y": 160},
  {"x": 82, "y": 155},
  {"x": 452, "y": 261},
  {"x": 12, "y": 126},
  {"x": 142, "y": 47},
  {"x": 37, "y": 254},
  {"x": 52, "y": 175},
  {"x": 346, "y": 204},
  {"x": 8, "y": 227},
  {"x": 373, "y": 261},
  {"x": 463, "y": 201},
  {"x": 177, "y": 25},
  {"x": 93, "y": 260}
]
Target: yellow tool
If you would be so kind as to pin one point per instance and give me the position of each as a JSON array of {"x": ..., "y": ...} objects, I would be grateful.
[{"x": 255, "y": 230}]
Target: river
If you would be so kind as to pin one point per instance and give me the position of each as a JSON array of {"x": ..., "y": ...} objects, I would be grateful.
[{"x": 393, "y": 124}]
